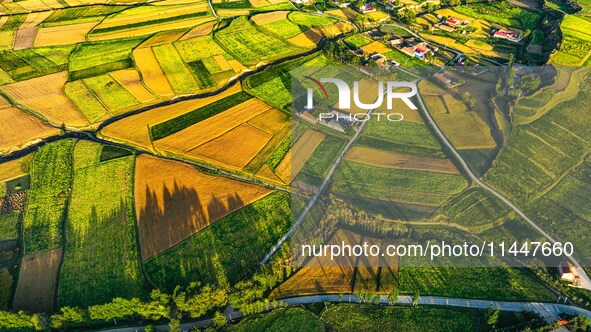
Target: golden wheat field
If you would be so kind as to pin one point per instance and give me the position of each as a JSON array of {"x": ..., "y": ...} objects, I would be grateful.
[
  {"x": 210, "y": 128},
  {"x": 308, "y": 38},
  {"x": 34, "y": 19},
  {"x": 131, "y": 81},
  {"x": 173, "y": 201},
  {"x": 135, "y": 129},
  {"x": 146, "y": 14},
  {"x": 298, "y": 155},
  {"x": 233, "y": 149},
  {"x": 164, "y": 37},
  {"x": 271, "y": 121},
  {"x": 466, "y": 130},
  {"x": 265, "y": 172},
  {"x": 270, "y": 17},
  {"x": 3, "y": 20},
  {"x": 200, "y": 30},
  {"x": 44, "y": 95},
  {"x": 63, "y": 35},
  {"x": 386, "y": 159},
  {"x": 128, "y": 33},
  {"x": 152, "y": 74},
  {"x": 375, "y": 47},
  {"x": 222, "y": 62},
  {"x": 18, "y": 128}
]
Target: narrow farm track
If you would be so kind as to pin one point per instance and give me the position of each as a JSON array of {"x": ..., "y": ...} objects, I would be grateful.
[{"x": 549, "y": 311}]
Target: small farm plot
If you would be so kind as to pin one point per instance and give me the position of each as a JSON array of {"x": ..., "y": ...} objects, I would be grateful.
[
  {"x": 63, "y": 34},
  {"x": 100, "y": 233},
  {"x": 151, "y": 72},
  {"x": 227, "y": 251},
  {"x": 249, "y": 45},
  {"x": 174, "y": 201},
  {"x": 28, "y": 128},
  {"x": 179, "y": 76},
  {"x": 85, "y": 101},
  {"x": 45, "y": 96},
  {"x": 136, "y": 130},
  {"x": 51, "y": 174},
  {"x": 132, "y": 82},
  {"x": 209, "y": 63},
  {"x": 398, "y": 185},
  {"x": 466, "y": 130},
  {"x": 97, "y": 58},
  {"x": 111, "y": 94},
  {"x": 298, "y": 155},
  {"x": 30, "y": 63},
  {"x": 37, "y": 281}
]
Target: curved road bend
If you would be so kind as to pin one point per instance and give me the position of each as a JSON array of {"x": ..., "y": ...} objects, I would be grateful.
[
  {"x": 585, "y": 282},
  {"x": 549, "y": 311}
]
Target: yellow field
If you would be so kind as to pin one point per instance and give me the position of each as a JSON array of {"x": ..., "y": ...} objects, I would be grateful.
[
  {"x": 152, "y": 74},
  {"x": 378, "y": 16},
  {"x": 237, "y": 66},
  {"x": 454, "y": 105},
  {"x": 174, "y": 200},
  {"x": 18, "y": 128},
  {"x": 15, "y": 168},
  {"x": 222, "y": 62},
  {"x": 131, "y": 81},
  {"x": 270, "y": 17},
  {"x": 55, "y": 4},
  {"x": 34, "y": 19},
  {"x": 298, "y": 155},
  {"x": 258, "y": 3},
  {"x": 134, "y": 129},
  {"x": 31, "y": 5},
  {"x": 164, "y": 37},
  {"x": 63, "y": 35},
  {"x": 346, "y": 13},
  {"x": 200, "y": 30},
  {"x": 435, "y": 104},
  {"x": 232, "y": 12},
  {"x": 233, "y": 149},
  {"x": 3, "y": 20},
  {"x": 398, "y": 106},
  {"x": 465, "y": 130},
  {"x": 25, "y": 38},
  {"x": 147, "y": 13},
  {"x": 271, "y": 121},
  {"x": 152, "y": 29},
  {"x": 368, "y": 91},
  {"x": 265, "y": 172},
  {"x": 213, "y": 127},
  {"x": 398, "y": 160},
  {"x": 6, "y": 41},
  {"x": 44, "y": 95},
  {"x": 377, "y": 47},
  {"x": 335, "y": 29},
  {"x": 308, "y": 38}
]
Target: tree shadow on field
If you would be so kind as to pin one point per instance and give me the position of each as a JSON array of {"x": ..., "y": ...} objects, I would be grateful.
[{"x": 167, "y": 219}]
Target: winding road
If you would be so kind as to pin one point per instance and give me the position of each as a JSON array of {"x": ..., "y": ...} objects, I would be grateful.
[{"x": 549, "y": 311}]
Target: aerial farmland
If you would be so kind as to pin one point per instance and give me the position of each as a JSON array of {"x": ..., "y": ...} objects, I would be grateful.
[{"x": 160, "y": 172}]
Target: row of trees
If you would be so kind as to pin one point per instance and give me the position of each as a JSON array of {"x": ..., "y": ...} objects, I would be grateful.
[{"x": 193, "y": 302}]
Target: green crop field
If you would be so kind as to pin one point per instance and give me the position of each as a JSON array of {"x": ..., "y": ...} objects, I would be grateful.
[
  {"x": 25, "y": 64},
  {"x": 356, "y": 41},
  {"x": 51, "y": 175},
  {"x": 502, "y": 13},
  {"x": 317, "y": 166},
  {"x": 290, "y": 319},
  {"x": 101, "y": 245},
  {"x": 539, "y": 153},
  {"x": 310, "y": 21},
  {"x": 9, "y": 226},
  {"x": 474, "y": 207},
  {"x": 250, "y": 45},
  {"x": 85, "y": 101},
  {"x": 179, "y": 76},
  {"x": 96, "y": 58},
  {"x": 282, "y": 28},
  {"x": 228, "y": 250},
  {"x": 402, "y": 133},
  {"x": 186, "y": 120},
  {"x": 69, "y": 15},
  {"x": 400, "y": 185},
  {"x": 111, "y": 93},
  {"x": 351, "y": 317}
]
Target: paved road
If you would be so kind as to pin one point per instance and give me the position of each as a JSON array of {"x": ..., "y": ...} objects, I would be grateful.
[
  {"x": 549, "y": 311},
  {"x": 585, "y": 281}
]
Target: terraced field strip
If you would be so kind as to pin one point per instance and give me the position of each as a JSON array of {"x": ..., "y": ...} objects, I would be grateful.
[
  {"x": 179, "y": 76},
  {"x": 63, "y": 34},
  {"x": 132, "y": 82}
]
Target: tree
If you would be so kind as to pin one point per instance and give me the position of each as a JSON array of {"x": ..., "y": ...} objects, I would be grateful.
[
  {"x": 393, "y": 297},
  {"x": 579, "y": 323},
  {"x": 149, "y": 328},
  {"x": 219, "y": 320},
  {"x": 415, "y": 299},
  {"x": 407, "y": 15},
  {"x": 493, "y": 318},
  {"x": 175, "y": 325},
  {"x": 40, "y": 322},
  {"x": 529, "y": 83},
  {"x": 158, "y": 307}
]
